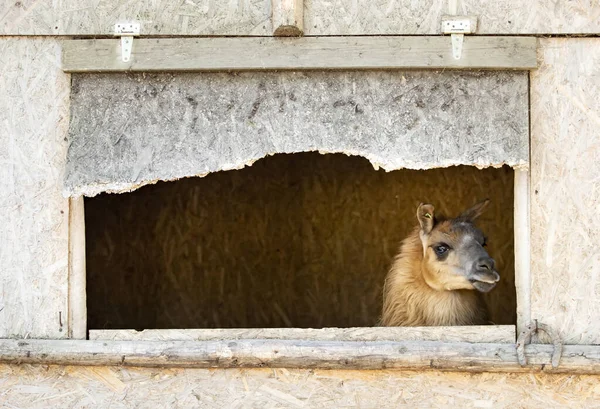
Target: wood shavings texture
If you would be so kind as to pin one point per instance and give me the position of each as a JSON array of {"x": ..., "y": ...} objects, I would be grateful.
[
  {"x": 104, "y": 387},
  {"x": 356, "y": 17},
  {"x": 565, "y": 149},
  {"x": 34, "y": 103},
  {"x": 167, "y": 127},
  {"x": 40, "y": 17},
  {"x": 253, "y": 17}
]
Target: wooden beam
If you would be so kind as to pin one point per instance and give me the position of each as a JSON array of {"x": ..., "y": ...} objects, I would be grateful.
[
  {"x": 77, "y": 273},
  {"x": 288, "y": 18},
  {"x": 522, "y": 249},
  {"x": 406, "y": 355},
  {"x": 242, "y": 54},
  {"x": 484, "y": 333}
]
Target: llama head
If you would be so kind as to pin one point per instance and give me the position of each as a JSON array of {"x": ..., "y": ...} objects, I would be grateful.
[{"x": 454, "y": 254}]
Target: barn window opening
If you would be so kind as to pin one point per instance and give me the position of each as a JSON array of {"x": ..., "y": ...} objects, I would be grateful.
[
  {"x": 296, "y": 240},
  {"x": 265, "y": 200}
]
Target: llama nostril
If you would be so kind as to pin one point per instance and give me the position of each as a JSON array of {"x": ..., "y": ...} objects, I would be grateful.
[{"x": 485, "y": 264}]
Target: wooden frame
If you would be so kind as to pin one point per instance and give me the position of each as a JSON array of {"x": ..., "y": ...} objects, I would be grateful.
[
  {"x": 453, "y": 348},
  {"x": 77, "y": 272},
  {"x": 484, "y": 334},
  {"x": 267, "y": 53},
  {"x": 407, "y": 355},
  {"x": 522, "y": 233},
  {"x": 504, "y": 334}
]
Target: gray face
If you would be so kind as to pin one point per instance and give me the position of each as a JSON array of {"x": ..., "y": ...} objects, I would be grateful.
[
  {"x": 461, "y": 248},
  {"x": 454, "y": 252}
]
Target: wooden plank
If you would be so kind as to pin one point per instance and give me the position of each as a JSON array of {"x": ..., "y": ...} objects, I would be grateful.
[
  {"x": 409, "y": 355},
  {"x": 522, "y": 249},
  {"x": 240, "y": 54},
  {"x": 288, "y": 18},
  {"x": 565, "y": 146},
  {"x": 340, "y": 17},
  {"x": 34, "y": 111},
  {"x": 489, "y": 334},
  {"x": 77, "y": 272}
]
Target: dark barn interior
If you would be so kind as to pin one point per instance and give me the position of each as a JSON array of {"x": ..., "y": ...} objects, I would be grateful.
[{"x": 295, "y": 240}]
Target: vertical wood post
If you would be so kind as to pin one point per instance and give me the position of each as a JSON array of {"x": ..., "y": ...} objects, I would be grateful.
[
  {"x": 288, "y": 18},
  {"x": 522, "y": 249},
  {"x": 77, "y": 295}
]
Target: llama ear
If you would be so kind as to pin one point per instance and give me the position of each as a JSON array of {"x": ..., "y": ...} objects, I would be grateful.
[
  {"x": 425, "y": 215},
  {"x": 475, "y": 211}
]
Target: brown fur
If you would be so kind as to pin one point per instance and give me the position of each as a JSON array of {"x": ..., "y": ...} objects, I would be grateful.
[{"x": 421, "y": 290}]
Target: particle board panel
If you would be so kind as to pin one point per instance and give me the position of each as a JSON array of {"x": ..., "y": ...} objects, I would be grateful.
[
  {"x": 165, "y": 17},
  {"x": 165, "y": 127},
  {"x": 565, "y": 158},
  {"x": 34, "y": 113},
  {"x": 380, "y": 17},
  {"x": 253, "y": 17},
  {"x": 120, "y": 387}
]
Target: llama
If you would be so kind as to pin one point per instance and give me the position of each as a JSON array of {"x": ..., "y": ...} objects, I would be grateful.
[{"x": 432, "y": 279}]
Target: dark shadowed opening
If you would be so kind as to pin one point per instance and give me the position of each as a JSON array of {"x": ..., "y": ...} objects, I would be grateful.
[{"x": 300, "y": 240}]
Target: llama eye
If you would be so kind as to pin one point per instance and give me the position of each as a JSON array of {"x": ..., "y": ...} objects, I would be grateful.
[{"x": 441, "y": 249}]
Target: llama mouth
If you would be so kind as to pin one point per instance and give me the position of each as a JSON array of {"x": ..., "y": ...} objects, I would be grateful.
[
  {"x": 485, "y": 281},
  {"x": 482, "y": 286}
]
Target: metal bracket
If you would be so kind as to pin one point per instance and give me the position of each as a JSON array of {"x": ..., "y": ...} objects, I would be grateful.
[
  {"x": 457, "y": 27},
  {"x": 127, "y": 31}
]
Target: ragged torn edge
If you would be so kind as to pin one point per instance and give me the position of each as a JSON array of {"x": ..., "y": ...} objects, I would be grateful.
[{"x": 95, "y": 189}]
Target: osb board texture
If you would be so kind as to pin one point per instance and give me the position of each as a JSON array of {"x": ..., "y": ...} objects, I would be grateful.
[
  {"x": 356, "y": 17},
  {"x": 34, "y": 109},
  {"x": 565, "y": 139},
  {"x": 104, "y": 387},
  {"x": 253, "y": 17},
  {"x": 80, "y": 17},
  {"x": 128, "y": 130},
  {"x": 302, "y": 240}
]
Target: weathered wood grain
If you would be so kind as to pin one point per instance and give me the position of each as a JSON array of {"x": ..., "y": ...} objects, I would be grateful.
[
  {"x": 77, "y": 270},
  {"x": 243, "y": 54},
  {"x": 413, "y": 355},
  {"x": 522, "y": 228},
  {"x": 489, "y": 334},
  {"x": 565, "y": 153},
  {"x": 253, "y": 17},
  {"x": 34, "y": 116}
]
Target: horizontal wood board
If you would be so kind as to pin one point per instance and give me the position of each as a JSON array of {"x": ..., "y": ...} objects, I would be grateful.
[
  {"x": 491, "y": 334},
  {"x": 242, "y": 54},
  {"x": 414, "y": 355}
]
